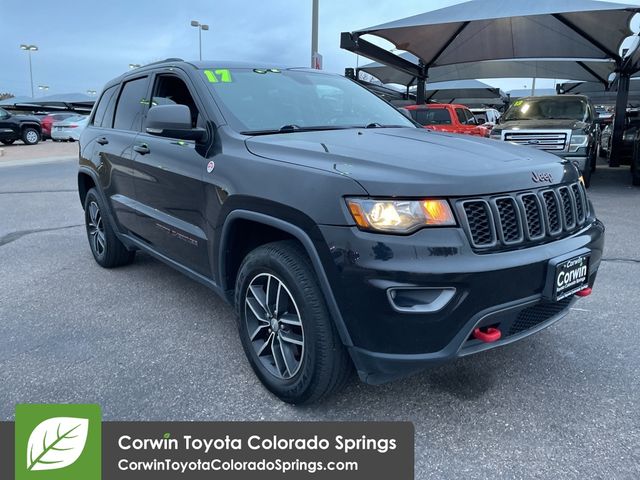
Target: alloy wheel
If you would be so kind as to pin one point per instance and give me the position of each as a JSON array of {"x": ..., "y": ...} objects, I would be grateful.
[
  {"x": 32, "y": 136},
  {"x": 274, "y": 326},
  {"x": 97, "y": 236}
]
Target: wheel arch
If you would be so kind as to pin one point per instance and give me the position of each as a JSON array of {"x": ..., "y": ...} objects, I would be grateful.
[
  {"x": 86, "y": 182},
  {"x": 35, "y": 125},
  {"x": 278, "y": 230}
]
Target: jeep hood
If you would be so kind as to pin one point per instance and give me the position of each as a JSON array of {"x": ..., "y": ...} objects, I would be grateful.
[{"x": 414, "y": 162}]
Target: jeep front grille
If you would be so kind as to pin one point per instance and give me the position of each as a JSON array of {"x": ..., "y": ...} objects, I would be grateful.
[
  {"x": 552, "y": 140},
  {"x": 523, "y": 218}
]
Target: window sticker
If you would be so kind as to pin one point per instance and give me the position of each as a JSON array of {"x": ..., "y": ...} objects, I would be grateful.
[
  {"x": 221, "y": 75},
  {"x": 262, "y": 71},
  {"x": 517, "y": 103}
]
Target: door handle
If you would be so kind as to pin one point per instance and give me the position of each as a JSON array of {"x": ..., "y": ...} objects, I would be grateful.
[
  {"x": 102, "y": 140},
  {"x": 142, "y": 149}
]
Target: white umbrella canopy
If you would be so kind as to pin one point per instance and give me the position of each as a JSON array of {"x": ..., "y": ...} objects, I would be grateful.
[
  {"x": 506, "y": 29},
  {"x": 587, "y": 70}
]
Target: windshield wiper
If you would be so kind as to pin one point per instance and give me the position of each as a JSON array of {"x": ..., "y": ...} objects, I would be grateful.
[
  {"x": 292, "y": 129},
  {"x": 379, "y": 125}
]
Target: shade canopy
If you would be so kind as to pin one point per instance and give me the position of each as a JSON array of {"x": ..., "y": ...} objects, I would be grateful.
[
  {"x": 587, "y": 70},
  {"x": 598, "y": 94},
  {"x": 60, "y": 102},
  {"x": 506, "y": 29},
  {"x": 462, "y": 91}
]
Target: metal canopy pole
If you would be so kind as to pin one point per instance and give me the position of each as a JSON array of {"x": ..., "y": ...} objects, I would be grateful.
[
  {"x": 619, "y": 119},
  {"x": 355, "y": 44}
]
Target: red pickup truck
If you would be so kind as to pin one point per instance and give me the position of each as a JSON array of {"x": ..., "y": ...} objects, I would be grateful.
[{"x": 447, "y": 117}]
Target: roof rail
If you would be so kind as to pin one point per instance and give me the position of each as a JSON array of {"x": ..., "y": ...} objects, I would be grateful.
[{"x": 164, "y": 61}]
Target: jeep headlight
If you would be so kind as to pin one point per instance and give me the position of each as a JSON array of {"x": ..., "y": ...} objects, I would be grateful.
[
  {"x": 578, "y": 141},
  {"x": 400, "y": 216}
]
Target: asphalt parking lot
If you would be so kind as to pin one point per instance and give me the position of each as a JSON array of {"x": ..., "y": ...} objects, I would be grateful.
[{"x": 147, "y": 343}]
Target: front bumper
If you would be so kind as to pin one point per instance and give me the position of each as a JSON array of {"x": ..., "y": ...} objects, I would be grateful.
[{"x": 502, "y": 289}]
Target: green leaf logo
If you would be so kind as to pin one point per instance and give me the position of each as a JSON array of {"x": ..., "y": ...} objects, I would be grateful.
[{"x": 56, "y": 443}]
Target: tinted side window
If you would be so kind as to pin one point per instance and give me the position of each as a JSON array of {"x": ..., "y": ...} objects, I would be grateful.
[
  {"x": 131, "y": 105},
  {"x": 460, "y": 115},
  {"x": 102, "y": 106}
]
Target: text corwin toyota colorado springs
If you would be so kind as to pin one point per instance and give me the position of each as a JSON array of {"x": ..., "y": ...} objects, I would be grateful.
[{"x": 342, "y": 232}]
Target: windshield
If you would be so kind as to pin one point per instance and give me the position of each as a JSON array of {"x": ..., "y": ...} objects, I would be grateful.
[
  {"x": 266, "y": 100},
  {"x": 556, "y": 108}
]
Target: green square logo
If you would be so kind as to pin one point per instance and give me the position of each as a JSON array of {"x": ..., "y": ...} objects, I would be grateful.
[{"x": 58, "y": 442}]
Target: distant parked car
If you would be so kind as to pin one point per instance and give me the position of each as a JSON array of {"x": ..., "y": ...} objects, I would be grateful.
[
  {"x": 48, "y": 120},
  {"x": 564, "y": 125},
  {"x": 447, "y": 117},
  {"x": 631, "y": 127},
  {"x": 19, "y": 127},
  {"x": 486, "y": 116},
  {"x": 69, "y": 129}
]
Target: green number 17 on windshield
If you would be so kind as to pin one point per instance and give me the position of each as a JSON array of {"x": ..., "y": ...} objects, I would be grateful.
[{"x": 221, "y": 75}]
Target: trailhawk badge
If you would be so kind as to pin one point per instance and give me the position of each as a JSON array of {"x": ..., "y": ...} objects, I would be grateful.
[{"x": 210, "y": 166}]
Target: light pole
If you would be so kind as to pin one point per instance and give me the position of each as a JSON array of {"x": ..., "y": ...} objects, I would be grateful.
[
  {"x": 44, "y": 88},
  {"x": 314, "y": 34},
  {"x": 200, "y": 27},
  {"x": 29, "y": 49}
]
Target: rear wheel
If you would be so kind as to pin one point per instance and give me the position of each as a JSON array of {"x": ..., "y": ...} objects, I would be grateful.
[
  {"x": 635, "y": 165},
  {"x": 7, "y": 142},
  {"x": 107, "y": 250},
  {"x": 285, "y": 327},
  {"x": 30, "y": 136}
]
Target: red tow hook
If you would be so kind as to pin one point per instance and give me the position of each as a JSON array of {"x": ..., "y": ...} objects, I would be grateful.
[
  {"x": 489, "y": 335},
  {"x": 584, "y": 292}
]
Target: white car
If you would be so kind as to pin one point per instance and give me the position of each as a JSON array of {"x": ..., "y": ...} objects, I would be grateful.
[
  {"x": 70, "y": 128},
  {"x": 486, "y": 116}
]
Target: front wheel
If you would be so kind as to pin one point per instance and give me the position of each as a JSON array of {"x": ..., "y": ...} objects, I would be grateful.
[
  {"x": 285, "y": 327},
  {"x": 30, "y": 136},
  {"x": 106, "y": 248},
  {"x": 7, "y": 142}
]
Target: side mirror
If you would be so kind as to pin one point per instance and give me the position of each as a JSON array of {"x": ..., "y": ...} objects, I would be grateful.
[
  {"x": 405, "y": 112},
  {"x": 173, "y": 121}
]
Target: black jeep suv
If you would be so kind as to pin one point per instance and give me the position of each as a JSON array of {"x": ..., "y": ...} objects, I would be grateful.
[
  {"x": 343, "y": 233},
  {"x": 19, "y": 127}
]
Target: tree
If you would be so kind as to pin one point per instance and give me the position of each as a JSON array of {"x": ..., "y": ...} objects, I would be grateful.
[{"x": 4, "y": 96}]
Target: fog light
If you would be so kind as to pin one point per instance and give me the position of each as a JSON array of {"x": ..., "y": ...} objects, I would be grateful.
[{"x": 420, "y": 299}]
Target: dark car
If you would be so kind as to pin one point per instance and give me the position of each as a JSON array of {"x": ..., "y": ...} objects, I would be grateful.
[
  {"x": 19, "y": 127},
  {"x": 565, "y": 125},
  {"x": 341, "y": 232},
  {"x": 631, "y": 127}
]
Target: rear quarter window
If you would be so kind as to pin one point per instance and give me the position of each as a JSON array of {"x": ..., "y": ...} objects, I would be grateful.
[{"x": 102, "y": 106}]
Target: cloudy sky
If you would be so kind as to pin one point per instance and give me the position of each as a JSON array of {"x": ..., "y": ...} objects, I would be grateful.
[{"x": 83, "y": 44}]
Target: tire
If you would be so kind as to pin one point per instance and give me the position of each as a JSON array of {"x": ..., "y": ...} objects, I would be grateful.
[
  {"x": 318, "y": 364},
  {"x": 7, "y": 142},
  {"x": 586, "y": 175},
  {"x": 107, "y": 250},
  {"x": 635, "y": 166},
  {"x": 30, "y": 136}
]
